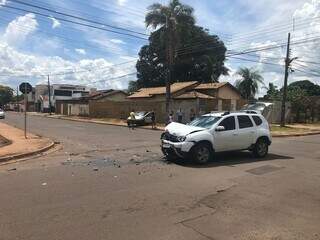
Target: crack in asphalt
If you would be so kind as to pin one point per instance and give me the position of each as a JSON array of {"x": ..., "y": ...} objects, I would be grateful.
[{"x": 197, "y": 231}]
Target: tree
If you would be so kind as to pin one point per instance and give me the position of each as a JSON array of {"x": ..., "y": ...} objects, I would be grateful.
[
  {"x": 133, "y": 86},
  {"x": 248, "y": 85},
  {"x": 199, "y": 56},
  {"x": 6, "y": 94},
  {"x": 310, "y": 88},
  {"x": 272, "y": 93}
]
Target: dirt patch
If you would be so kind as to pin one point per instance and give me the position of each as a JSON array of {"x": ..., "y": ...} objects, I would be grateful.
[{"x": 263, "y": 170}]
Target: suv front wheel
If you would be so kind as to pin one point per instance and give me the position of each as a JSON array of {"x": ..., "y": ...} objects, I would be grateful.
[
  {"x": 261, "y": 148},
  {"x": 202, "y": 153}
]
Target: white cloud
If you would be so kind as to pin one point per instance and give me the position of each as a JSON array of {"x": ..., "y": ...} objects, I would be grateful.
[
  {"x": 122, "y": 2},
  {"x": 117, "y": 41},
  {"x": 81, "y": 51},
  {"x": 55, "y": 22},
  {"x": 19, "y": 29},
  {"x": 3, "y": 2},
  {"x": 95, "y": 73}
]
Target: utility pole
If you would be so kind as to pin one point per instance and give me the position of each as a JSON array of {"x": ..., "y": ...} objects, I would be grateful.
[
  {"x": 288, "y": 61},
  {"x": 17, "y": 101},
  {"x": 170, "y": 60},
  {"x": 49, "y": 94},
  {"x": 25, "y": 110}
]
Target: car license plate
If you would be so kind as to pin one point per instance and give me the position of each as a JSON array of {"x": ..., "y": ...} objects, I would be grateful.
[{"x": 166, "y": 145}]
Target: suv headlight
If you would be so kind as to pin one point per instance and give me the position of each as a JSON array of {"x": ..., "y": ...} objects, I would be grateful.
[{"x": 181, "y": 139}]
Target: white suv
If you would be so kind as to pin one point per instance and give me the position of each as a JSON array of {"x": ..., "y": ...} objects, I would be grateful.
[{"x": 217, "y": 132}]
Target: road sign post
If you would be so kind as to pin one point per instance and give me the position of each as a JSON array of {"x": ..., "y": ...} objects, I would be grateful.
[{"x": 25, "y": 88}]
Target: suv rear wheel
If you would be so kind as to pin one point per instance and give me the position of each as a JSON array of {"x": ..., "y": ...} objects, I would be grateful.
[
  {"x": 261, "y": 148},
  {"x": 202, "y": 153}
]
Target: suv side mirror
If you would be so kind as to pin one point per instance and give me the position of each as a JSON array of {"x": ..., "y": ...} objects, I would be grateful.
[{"x": 220, "y": 128}]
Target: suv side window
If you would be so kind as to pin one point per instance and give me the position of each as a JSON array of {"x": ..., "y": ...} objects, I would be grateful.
[
  {"x": 244, "y": 122},
  {"x": 257, "y": 120},
  {"x": 228, "y": 123}
]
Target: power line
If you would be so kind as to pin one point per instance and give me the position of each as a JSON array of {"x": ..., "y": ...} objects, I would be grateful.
[
  {"x": 77, "y": 17},
  {"x": 115, "y": 78},
  {"x": 74, "y": 22},
  {"x": 71, "y": 41},
  {"x": 253, "y": 49},
  {"x": 311, "y": 62},
  {"x": 309, "y": 73},
  {"x": 262, "y": 62}
]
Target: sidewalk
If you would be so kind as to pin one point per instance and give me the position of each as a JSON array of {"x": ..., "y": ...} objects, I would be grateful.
[{"x": 20, "y": 147}]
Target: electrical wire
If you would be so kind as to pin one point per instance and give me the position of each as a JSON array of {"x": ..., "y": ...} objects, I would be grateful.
[
  {"x": 77, "y": 17},
  {"x": 74, "y": 22}
]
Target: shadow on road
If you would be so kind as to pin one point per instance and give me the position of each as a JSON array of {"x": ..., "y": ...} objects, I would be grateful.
[{"x": 229, "y": 159}]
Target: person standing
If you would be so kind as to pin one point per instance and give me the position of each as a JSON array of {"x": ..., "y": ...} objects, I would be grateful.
[
  {"x": 192, "y": 115},
  {"x": 153, "y": 119},
  {"x": 180, "y": 115},
  {"x": 131, "y": 119}
]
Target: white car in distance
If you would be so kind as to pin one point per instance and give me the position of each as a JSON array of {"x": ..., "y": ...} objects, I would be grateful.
[
  {"x": 2, "y": 114},
  {"x": 217, "y": 132}
]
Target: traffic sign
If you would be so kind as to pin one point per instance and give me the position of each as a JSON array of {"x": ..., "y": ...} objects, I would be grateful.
[{"x": 25, "y": 88}]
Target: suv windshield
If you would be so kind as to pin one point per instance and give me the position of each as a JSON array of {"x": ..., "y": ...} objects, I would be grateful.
[{"x": 204, "y": 121}]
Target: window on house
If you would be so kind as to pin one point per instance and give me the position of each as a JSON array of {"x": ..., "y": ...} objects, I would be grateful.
[{"x": 62, "y": 93}]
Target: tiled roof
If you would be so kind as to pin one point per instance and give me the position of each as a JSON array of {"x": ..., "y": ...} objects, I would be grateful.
[
  {"x": 150, "y": 92},
  {"x": 211, "y": 85},
  {"x": 194, "y": 95},
  {"x": 106, "y": 94}
]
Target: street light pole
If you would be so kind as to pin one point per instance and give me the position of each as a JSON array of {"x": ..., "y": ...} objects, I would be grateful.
[
  {"x": 170, "y": 61},
  {"x": 288, "y": 61},
  {"x": 49, "y": 94},
  {"x": 17, "y": 101},
  {"x": 25, "y": 110}
]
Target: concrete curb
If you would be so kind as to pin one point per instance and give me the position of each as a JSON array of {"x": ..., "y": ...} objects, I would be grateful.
[
  {"x": 28, "y": 154},
  {"x": 7, "y": 141},
  {"x": 296, "y": 135},
  {"x": 98, "y": 122}
]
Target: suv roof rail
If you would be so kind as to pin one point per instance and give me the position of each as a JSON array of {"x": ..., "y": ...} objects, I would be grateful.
[
  {"x": 251, "y": 112},
  {"x": 225, "y": 113}
]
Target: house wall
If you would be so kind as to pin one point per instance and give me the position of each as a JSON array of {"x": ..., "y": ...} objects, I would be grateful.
[
  {"x": 226, "y": 92},
  {"x": 75, "y": 109},
  {"x": 121, "y": 109}
]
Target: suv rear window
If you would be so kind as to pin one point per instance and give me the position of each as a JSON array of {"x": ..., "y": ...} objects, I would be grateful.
[
  {"x": 244, "y": 122},
  {"x": 257, "y": 120},
  {"x": 228, "y": 123}
]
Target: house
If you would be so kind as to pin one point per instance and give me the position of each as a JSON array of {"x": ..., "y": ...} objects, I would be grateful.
[
  {"x": 192, "y": 96},
  {"x": 58, "y": 92},
  {"x": 85, "y": 105}
]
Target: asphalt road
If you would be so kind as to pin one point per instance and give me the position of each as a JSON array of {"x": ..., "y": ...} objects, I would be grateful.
[{"x": 107, "y": 182}]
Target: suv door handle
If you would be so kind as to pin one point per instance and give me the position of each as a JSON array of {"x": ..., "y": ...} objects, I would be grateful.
[{"x": 235, "y": 134}]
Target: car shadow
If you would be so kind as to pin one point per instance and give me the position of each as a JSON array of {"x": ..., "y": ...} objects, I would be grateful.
[{"x": 230, "y": 159}]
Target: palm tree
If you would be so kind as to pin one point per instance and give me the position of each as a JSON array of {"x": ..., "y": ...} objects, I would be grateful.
[
  {"x": 175, "y": 12},
  {"x": 248, "y": 85}
]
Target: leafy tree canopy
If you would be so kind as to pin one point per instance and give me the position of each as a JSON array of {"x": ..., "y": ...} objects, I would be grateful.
[
  {"x": 248, "y": 85},
  {"x": 198, "y": 56},
  {"x": 6, "y": 94}
]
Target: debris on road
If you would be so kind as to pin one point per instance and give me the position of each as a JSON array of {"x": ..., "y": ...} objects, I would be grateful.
[
  {"x": 44, "y": 184},
  {"x": 12, "y": 169}
]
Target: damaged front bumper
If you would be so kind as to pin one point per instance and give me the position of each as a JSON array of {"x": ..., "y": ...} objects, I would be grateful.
[{"x": 180, "y": 149}]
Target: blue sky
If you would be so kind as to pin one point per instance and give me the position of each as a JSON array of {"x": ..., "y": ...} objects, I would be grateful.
[{"x": 33, "y": 46}]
